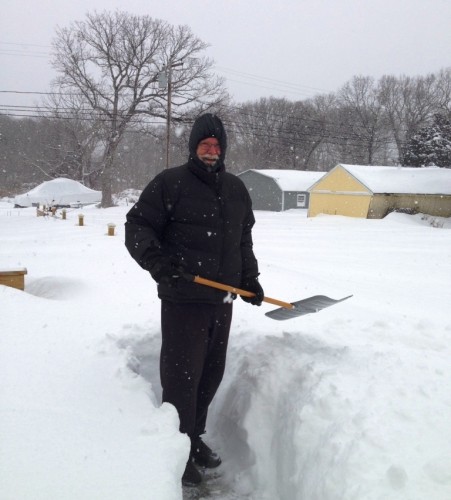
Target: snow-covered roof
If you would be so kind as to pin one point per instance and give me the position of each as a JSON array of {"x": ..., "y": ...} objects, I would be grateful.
[
  {"x": 402, "y": 180},
  {"x": 291, "y": 180},
  {"x": 59, "y": 191}
]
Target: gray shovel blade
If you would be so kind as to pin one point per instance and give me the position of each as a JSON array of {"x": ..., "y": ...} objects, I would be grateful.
[{"x": 305, "y": 306}]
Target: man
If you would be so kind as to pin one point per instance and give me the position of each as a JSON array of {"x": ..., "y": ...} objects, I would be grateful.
[{"x": 195, "y": 219}]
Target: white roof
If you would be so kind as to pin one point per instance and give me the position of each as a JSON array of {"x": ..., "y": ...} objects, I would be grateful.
[
  {"x": 291, "y": 180},
  {"x": 403, "y": 180},
  {"x": 59, "y": 191}
]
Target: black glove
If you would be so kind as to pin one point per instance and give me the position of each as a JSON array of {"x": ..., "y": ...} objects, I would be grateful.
[
  {"x": 167, "y": 270},
  {"x": 252, "y": 285}
]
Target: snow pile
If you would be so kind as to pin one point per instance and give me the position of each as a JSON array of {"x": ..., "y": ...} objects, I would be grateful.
[
  {"x": 350, "y": 403},
  {"x": 291, "y": 180},
  {"x": 403, "y": 180},
  {"x": 58, "y": 192}
]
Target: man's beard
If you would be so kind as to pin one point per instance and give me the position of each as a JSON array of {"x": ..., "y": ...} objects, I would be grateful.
[{"x": 209, "y": 159}]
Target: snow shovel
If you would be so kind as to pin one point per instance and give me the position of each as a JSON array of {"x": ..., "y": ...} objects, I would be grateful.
[{"x": 286, "y": 310}]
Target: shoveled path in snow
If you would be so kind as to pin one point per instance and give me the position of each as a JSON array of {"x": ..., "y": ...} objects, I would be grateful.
[
  {"x": 214, "y": 486},
  {"x": 297, "y": 417},
  {"x": 143, "y": 359}
]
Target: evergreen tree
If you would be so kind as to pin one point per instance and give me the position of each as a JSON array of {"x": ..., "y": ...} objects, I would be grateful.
[{"x": 431, "y": 146}]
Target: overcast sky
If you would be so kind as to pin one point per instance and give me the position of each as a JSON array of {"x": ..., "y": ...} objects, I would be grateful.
[{"x": 285, "y": 48}]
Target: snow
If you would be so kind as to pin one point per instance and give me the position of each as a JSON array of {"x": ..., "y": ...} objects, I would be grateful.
[
  {"x": 403, "y": 180},
  {"x": 59, "y": 192},
  {"x": 352, "y": 402},
  {"x": 291, "y": 180}
]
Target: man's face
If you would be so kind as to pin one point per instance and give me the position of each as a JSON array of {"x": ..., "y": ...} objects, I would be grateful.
[{"x": 208, "y": 150}]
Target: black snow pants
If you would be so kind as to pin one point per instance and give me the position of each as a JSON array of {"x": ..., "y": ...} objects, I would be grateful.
[{"x": 192, "y": 361}]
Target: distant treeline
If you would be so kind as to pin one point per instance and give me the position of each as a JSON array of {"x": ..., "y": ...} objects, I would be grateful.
[{"x": 392, "y": 121}]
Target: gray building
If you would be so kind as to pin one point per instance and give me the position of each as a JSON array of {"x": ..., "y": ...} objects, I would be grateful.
[{"x": 278, "y": 190}]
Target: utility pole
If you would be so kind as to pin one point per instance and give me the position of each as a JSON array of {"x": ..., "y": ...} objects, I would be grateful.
[{"x": 168, "y": 116}]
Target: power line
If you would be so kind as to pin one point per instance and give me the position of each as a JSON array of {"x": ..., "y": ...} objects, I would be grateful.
[
  {"x": 252, "y": 79},
  {"x": 293, "y": 87},
  {"x": 16, "y": 53},
  {"x": 286, "y": 91},
  {"x": 50, "y": 112},
  {"x": 256, "y": 131},
  {"x": 238, "y": 108},
  {"x": 24, "y": 44},
  {"x": 324, "y": 128},
  {"x": 23, "y": 50},
  {"x": 36, "y": 92}
]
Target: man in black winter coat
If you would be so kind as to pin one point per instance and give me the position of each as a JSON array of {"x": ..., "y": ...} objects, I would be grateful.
[{"x": 195, "y": 219}]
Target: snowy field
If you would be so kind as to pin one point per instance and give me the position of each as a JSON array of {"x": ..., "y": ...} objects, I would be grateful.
[{"x": 353, "y": 402}]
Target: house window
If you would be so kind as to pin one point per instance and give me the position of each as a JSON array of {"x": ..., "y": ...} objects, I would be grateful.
[{"x": 301, "y": 200}]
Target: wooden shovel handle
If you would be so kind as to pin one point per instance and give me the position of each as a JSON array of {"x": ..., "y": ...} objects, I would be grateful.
[{"x": 239, "y": 291}]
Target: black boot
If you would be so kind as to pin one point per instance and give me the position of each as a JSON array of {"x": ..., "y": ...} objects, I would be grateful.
[
  {"x": 191, "y": 476},
  {"x": 203, "y": 455}
]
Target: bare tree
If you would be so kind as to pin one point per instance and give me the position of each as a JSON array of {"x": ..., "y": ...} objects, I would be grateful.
[
  {"x": 53, "y": 151},
  {"x": 308, "y": 128},
  {"x": 257, "y": 125},
  {"x": 421, "y": 101},
  {"x": 410, "y": 103},
  {"x": 84, "y": 132},
  {"x": 361, "y": 99},
  {"x": 277, "y": 133},
  {"x": 392, "y": 98},
  {"x": 20, "y": 140},
  {"x": 113, "y": 61},
  {"x": 443, "y": 91}
]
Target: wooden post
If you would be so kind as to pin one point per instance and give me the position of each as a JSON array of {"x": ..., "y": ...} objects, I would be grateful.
[
  {"x": 63, "y": 214},
  {"x": 80, "y": 219},
  {"x": 111, "y": 227}
]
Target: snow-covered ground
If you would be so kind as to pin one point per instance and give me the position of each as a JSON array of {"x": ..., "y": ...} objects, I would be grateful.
[{"x": 353, "y": 402}]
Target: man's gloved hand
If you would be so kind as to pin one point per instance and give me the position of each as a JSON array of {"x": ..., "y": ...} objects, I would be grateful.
[
  {"x": 252, "y": 285},
  {"x": 167, "y": 270}
]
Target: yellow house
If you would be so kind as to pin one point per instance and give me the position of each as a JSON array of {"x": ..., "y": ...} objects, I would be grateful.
[{"x": 373, "y": 192}]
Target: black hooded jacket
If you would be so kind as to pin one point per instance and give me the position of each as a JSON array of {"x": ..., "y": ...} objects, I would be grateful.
[{"x": 201, "y": 216}]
